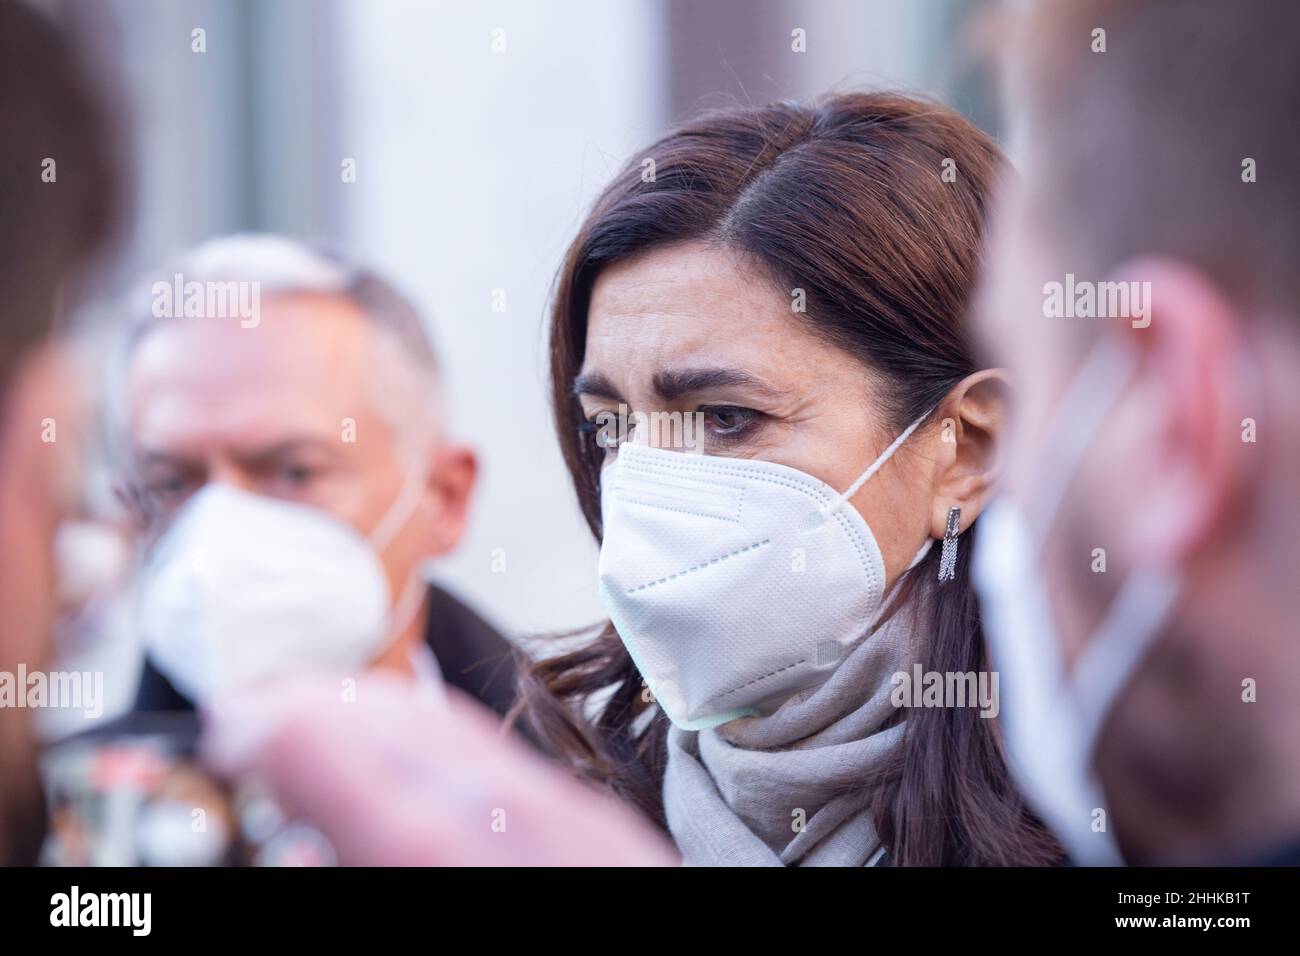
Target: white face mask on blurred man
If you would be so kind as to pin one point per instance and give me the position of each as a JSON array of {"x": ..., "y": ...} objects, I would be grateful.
[
  {"x": 243, "y": 589},
  {"x": 290, "y": 481}
]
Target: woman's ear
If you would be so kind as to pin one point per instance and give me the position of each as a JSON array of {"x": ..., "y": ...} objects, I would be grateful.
[{"x": 972, "y": 419}]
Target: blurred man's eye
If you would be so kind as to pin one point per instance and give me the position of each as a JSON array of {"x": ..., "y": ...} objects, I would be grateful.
[
  {"x": 167, "y": 489},
  {"x": 155, "y": 497},
  {"x": 296, "y": 476}
]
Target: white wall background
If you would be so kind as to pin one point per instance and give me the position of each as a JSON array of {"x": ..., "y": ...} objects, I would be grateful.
[{"x": 474, "y": 168}]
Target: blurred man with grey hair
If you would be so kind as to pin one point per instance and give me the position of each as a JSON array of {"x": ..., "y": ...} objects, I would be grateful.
[{"x": 278, "y": 423}]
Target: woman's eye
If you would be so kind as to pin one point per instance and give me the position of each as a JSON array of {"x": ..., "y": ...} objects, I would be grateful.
[
  {"x": 606, "y": 430},
  {"x": 729, "y": 421},
  {"x": 721, "y": 423}
]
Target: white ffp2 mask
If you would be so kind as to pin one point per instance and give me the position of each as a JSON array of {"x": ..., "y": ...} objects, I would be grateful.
[
  {"x": 733, "y": 582},
  {"x": 243, "y": 588}
]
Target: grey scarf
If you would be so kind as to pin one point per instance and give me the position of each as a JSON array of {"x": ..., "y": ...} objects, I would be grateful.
[{"x": 791, "y": 788}]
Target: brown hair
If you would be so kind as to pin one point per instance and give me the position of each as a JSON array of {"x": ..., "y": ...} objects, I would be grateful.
[
  {"x": 845, "y": 199},
  {"x": 49, "y": 109}
]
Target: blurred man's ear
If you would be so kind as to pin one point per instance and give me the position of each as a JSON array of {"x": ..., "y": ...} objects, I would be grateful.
[
  {"x": 453, "y": 471},
  {"x": 1174, "y": 449},
  {"x": 971, "y": 420}
]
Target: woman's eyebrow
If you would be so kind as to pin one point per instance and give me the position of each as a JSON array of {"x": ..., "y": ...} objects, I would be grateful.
[
  {"x": 675, "y": 383},
  {"x": 595, "y": 384},
  {"x": 671, "y": 384}
]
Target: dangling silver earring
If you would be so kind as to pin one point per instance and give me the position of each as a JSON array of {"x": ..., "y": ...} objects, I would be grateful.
[{"x": 948, "y": 560}]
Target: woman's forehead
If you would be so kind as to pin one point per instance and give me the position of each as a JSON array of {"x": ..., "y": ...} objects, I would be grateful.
[{"x": 696, "y": 306}]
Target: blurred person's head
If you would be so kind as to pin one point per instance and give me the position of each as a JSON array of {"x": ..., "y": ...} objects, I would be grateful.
[
  {"x": 316, "y": 386},
  {"x": 58, "y": 200},
  {"x": 798, "y": 275},
  {"x": 1157, "y": 443}
]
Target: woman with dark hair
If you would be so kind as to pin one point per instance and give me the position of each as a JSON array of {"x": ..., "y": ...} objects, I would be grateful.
[
  {"x": 767, "y": 399},
  {"x": 793, "y": 282}
]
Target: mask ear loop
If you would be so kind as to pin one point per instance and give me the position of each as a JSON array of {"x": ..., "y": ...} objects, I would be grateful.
[
  {"x": 1110, "y": 659},
  {"x": 407, "y": 603},
  {"x": 402, "y": 508},
  {"x": 1082, "y": 411},
  {"x": 829, "y": 509},
  {"x": 1146, "y": 599}
]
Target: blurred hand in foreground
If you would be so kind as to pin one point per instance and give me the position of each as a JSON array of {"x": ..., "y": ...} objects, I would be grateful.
[{"x": 396, "y": 777}]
